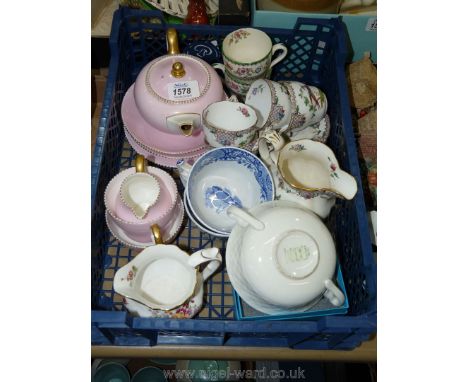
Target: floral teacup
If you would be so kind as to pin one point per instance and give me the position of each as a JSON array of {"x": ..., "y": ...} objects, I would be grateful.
[
  {"x": 228, "y": 123},
  {"x": 164, "y": 281},
  {"x": 271, "y": 102},
  {"x": 247, "y": 53},
  {"x": 238, "y": 86},
  {"x": 308, "y": 104}
]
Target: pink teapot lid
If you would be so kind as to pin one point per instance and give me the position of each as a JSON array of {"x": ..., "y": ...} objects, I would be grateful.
[{"x": 167, "y": 70}]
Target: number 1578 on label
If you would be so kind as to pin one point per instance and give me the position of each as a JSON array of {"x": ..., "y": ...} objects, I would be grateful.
[{"x": 183, "y": 90}]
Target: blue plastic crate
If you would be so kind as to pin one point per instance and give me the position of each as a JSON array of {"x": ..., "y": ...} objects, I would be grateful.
[
  {"x": 244, "y": 311},
  {"x": 317, "y": 53}
]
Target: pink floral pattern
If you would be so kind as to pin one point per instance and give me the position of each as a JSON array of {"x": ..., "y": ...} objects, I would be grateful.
[
  {"x": 333, "y": 168},
  {"x": 237, "y": 36},
  {"x": 244, "y": 111},
  {"x": 131, "y": 273},
  {"x": 184, "y": 311}
]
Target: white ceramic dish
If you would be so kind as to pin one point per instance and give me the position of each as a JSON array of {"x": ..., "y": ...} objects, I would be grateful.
[
  {"x": 289, "y": 265},
  {"x": 223, "y": 179}
]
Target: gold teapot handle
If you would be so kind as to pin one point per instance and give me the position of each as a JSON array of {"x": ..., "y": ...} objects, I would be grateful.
[
  {"x": 140, "y": 163},
  {"x": 156, "y": 234},
  {"x": 172, "y": 41}
]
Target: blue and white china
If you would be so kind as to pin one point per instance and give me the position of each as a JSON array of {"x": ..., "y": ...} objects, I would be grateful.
[
  {"x": 222, "y": 183},
  {"x": 199, "y": 224},
  {"x": 206, "y": 50}
]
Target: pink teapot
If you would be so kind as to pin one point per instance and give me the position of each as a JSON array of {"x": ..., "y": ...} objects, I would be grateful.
[{"x": 172, "y": 90}]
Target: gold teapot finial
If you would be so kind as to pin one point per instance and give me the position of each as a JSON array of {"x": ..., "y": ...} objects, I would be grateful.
[
  {"x": 172, "y": 41},
  {"x": 178, "y": 70}
]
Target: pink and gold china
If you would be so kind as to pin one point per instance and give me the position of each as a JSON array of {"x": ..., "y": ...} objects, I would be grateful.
[
  {"x": 171, "y": 91},
  {"x": 165, "y": 213}
]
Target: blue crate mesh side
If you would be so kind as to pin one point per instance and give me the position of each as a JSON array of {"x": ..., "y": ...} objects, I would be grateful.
[
  {"x": 135, "y": 42},
  {"x": 109, "y": 144},
  {"x": 146, "y": 40},
  {"x": 348, "y": 220}
]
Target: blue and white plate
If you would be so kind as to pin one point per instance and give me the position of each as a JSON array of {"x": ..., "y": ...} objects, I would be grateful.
[
  {"x": 206, "y": 50},
  {"x": 225, "y": 177}
]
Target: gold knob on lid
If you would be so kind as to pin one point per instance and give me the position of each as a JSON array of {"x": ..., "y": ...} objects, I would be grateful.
[{"x": 178, "y": 69}]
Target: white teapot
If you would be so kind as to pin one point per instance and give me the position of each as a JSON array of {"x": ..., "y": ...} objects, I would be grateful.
[{"x": 306, "y": 172}]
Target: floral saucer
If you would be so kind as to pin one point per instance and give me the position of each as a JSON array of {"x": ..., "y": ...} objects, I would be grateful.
[{"x": 317, "y": 132}]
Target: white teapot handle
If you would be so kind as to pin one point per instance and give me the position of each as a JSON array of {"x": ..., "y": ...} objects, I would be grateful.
[
  {"x": 244, "y": 218},
  {"x": 333, "y": 293},
  {"x": 210, "y": 255}
]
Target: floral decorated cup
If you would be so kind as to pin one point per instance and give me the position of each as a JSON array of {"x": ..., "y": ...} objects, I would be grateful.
[
  {"x": 308, "y": 104},
  {"x": 271, "y": 102},
  {"x": 306, "y": 172},
  {"x": 227, "y": 123},
  {"x": 238, "y": 86},
  {"x": 164, "y": 281},
  {"x": 247, "y": 53}
]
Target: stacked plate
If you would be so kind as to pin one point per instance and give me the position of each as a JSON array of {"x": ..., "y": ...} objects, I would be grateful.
[{"x": 165, "y": 149}]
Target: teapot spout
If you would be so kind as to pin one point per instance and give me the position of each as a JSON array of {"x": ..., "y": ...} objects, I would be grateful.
[{"x": 184, "y": 169}]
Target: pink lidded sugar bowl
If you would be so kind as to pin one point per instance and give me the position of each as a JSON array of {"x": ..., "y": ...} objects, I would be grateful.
[{"x": 141, "y": 201}]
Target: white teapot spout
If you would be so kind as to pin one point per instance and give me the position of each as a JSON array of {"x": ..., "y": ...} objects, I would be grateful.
[{"x": 184, "y": 169}]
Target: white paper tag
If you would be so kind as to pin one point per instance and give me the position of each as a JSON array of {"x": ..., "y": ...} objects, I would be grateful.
[
  {"x": 183, "y": 90},
  {"x": 371, "y": 24}
]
